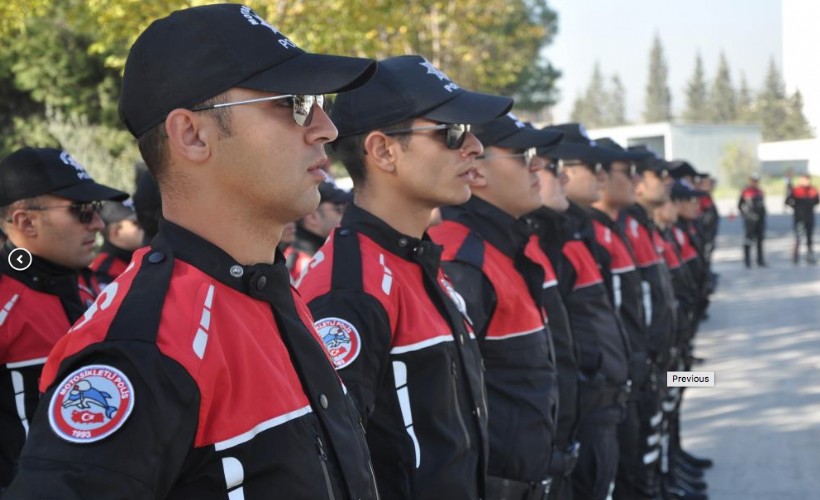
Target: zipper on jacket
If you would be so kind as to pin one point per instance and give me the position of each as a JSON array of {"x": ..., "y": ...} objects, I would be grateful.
[
  {"x": 457, "y": 400},
  {"x": 320, "y": 448}
]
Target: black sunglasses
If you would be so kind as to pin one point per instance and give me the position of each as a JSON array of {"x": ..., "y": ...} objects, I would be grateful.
[
  {"x": 595, "y": 169},
  {"x": 455, "y": 133},
  {"x": 632, "y": 171},
  {"x": 83, "y": 211},
  {"x": 302, "y": 105},
  {"x": 528, "y": 154},
  {"x": 555, "y": 167}
]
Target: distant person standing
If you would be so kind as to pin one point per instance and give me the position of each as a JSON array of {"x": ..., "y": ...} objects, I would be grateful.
[
  {"x": 803, "y": 198},
  {"x": 752, "y": 208}
]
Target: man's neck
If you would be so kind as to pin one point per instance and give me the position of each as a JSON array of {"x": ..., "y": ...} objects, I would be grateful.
[
  {"x": 606, "y": 208},
  {"x": 405, "y": 215}
]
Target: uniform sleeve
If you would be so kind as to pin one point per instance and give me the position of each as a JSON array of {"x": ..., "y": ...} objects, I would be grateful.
[
  {"x": 366, "y": 324},
  {"x": 144, "y": 454},
  {"x": 477, "y": 292}
]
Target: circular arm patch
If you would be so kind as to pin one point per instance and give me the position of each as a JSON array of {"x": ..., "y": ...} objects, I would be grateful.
[
  {"x": 90, "y": 404},
  {"x": 341, "y": 340}
]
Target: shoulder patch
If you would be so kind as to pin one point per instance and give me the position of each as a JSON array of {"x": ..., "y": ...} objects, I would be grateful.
[
  {"x": 341, "y": 340},
  {"x": 91, "y": 403}
]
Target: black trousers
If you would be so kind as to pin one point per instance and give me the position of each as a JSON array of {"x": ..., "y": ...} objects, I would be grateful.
[
  {"x": 639, "y": 437},
  {"x": 597, "y": 462},
  {"x": 755, "y": 231},
  {"x": 803, "y": 229}
]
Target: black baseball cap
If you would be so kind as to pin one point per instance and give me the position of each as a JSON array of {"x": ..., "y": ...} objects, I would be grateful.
[
  {"x": 681, "y": 168},
  {"x": 411, "y": 87},
  {"x": 620, "y": 153},
  {"x": 508, "y": 131},
  {"x": 30, "y": 172},
  {"x": 331, "y": 193},
  {"x": 682, "y": 191},
  {"x": 116, "y": 211},
  {"x": 197, "y": 53},
  {"x": 577, "y": 145},
  {"x": 660, "y": 166}
]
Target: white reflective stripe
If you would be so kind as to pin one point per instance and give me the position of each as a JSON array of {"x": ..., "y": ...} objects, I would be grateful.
[
  {"x": 234, "y": 472},
  {"x": 421, "y": 345},
  {"x": 201, "y": 336},
  {"x": 516, "y": 334},
  {"x": 647, "y": 302},
  {"x": 548, "y": 284},
  {"x": 268, "y": 424},
  {"x": 621, "y": 270},
  {"x": 28, "y": 362},
  {"x": 200, "y": 341},
  {"x": 616, "y": 291},
  {"x": 668, "y": 406},
  {"x": 20, "y": 398},
  {"x": 387, "y": 279},
  {"x": 7, "y": 308},
  {"x": 654, "y": 439},
  {"x": 651, "y": 457},
  {"x": 656, "y": 419},
  {"x": 237, "y": 494},
  {"x": 402, "y": 392}
]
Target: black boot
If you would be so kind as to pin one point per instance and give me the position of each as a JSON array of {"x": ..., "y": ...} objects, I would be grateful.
[
  {"x": 796, "y": 254},
  {"x": 747, "y": 257},
  {"x": 760, "y": 261}
]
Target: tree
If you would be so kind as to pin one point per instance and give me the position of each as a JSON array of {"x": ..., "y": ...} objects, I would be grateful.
[
  {"x": 738, "y": 162},
  {"x": 658, "y": 102},
  {"x": 601, "y": 106},
  {"x": 745, "y": 102},
  {"x": 616, "y": 104},
  {"x": 696, "y": 94},
  {"x": 771, "y": 108},
  {"x": 722, "y": 98},
  {"x": 796, "y": 125}
]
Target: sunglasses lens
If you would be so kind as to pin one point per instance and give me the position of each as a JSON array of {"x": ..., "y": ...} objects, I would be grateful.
[
  {"x": 456, "y": 133},
  {"x": 85, "y": 211},
  {"x": 303, "y": 108}
]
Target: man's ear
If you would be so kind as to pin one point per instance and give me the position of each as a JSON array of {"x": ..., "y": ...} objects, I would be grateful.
[
  {"x": 382, "y": 150},
  {"x": 190, "y": 134},
  {"x": 25, "y": 221}
]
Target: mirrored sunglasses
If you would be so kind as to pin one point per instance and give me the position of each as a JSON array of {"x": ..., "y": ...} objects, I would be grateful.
[
  {"x": 302, "y": 105},
  {"x": 454, "y": 133}
]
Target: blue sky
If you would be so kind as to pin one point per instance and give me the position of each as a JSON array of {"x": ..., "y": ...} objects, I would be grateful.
[{"x": 618, "y": 34}]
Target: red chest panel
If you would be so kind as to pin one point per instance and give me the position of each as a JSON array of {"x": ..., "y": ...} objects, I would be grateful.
[
  {"x": 621, "y": 258},
  {"x": 646, "y": 254},
  {"x": 535, "y": 254},
  {"x": 586, "y": 268},
  {"x": 687, "y": 251},
  {"x": 667, "y": 250}
]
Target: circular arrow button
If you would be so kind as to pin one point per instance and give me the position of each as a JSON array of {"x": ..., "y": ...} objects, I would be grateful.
[{"x": 20, "y": 259}]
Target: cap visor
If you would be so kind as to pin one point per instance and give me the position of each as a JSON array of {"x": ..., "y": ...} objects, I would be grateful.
[
  {"x": 583, "y": 152},
  {"x": 313, "y": 74},
  {"x": 530, "y": 138},
  {"x": 91, "y": 191},
  {"x": 471, "y": 108}
]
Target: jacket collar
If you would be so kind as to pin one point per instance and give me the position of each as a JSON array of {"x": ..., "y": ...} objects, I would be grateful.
[
  {"x": 116, "y": 252},
  {"x": 494, "y": 225}
]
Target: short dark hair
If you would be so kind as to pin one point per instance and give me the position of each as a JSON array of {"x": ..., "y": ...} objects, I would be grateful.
[
  {"x": 153, "y": 143},
  {"x": 350, "y": 150},
  {"x": 6, "y": 211}
]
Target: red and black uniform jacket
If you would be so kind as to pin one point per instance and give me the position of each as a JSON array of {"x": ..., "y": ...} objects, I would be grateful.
[
  {"x": 549, "y": 228},
  {"x": 803, "y": 199},
  {"x": 109, "y": 263},
  {"x": 752, "y": 205},
  {"x": 409, "y": 359},
  {"x": 708, "y": 220},
  {"x": 500, "y": 271},
  {"x": 37, "y": 307},
  {"x": 627, "y": 291},
  {"x": 599, "y": 338},
  {"x": 234, "y": 395},
  {"x": 660, "y": 304},
  {"x": 682, "y": 283}
]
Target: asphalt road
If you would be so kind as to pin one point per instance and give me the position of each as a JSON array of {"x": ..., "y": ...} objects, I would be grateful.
[{"x": 761, "y": 421}]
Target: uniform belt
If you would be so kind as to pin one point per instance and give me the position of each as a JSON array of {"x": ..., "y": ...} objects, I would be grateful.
[
  {"x": 499, "y": 488},
  {"x": 563, "y": 461}
]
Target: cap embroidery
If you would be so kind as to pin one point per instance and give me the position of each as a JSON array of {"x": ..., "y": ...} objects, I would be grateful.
[
  {"x": 432, "y": 70},
  {"x": 256, "y": 20},
  {"x": 68, "y": 160}
]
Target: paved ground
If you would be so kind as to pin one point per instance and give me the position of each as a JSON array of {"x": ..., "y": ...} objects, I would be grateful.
[{"x": 761, "y": 421}]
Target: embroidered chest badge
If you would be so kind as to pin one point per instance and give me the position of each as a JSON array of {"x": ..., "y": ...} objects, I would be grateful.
[
  {"x": 91, "y": 404},
  {"x": 341, "y": 340}
]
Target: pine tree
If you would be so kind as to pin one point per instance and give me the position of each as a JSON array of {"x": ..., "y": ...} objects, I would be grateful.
[
  {"x": 771, "y": 105},
  {"x": 616, "y": 103},
  {"x": 745, "y": 103},
  {"x": 796, "y": 125},
  {"x": 590, "y": 108},
  {"x": 696, "y": 94},
  {"x": 722, "y": 99},
  {"x": 579, "y": 111},
  {"x": 658, "y": 103}
]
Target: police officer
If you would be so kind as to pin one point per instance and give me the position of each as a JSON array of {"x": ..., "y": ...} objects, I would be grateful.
[
  {"x": 313, "y": 229},
  {"x": 121, "y": 236},
  {"x": 197, "y": 374},
  {"x": 601, "y": 343},
  {"x": 496, "y": 264},
  {"x": 147, "y": 205},
  {"x": 803, "y": 198},
  {"x": 389, "y": 317},
  {"x": 752, "y": 206},
  {"x": 49, "y": 207}
]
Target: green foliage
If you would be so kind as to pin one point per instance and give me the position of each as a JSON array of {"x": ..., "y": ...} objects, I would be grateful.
[
  {"x": 601, "y": 105},
  {"x": 722, "y": 99},
  {"x": 658, "y": 101},
  {"x": 781, "y": 117},
  {"x": 696, "y": 94},
  {"x": 796, "y": 125},
  {"x": 745, "y": 102},
  {"x": 738, "y": 162}
]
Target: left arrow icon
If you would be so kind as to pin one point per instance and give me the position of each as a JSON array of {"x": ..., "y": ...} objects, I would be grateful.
[{"x": 20, "y": 259}]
